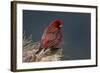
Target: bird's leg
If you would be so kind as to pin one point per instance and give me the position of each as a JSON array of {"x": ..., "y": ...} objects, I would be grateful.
[{"x": 42, "y": 53}]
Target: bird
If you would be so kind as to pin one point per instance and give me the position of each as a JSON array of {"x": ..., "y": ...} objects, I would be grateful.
[{"x": 52, "y": 35}]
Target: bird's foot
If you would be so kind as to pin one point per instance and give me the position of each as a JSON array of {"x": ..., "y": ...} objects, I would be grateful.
[{"x": 42, "y": 53}]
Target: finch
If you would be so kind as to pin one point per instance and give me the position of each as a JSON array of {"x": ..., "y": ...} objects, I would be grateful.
[{"x": 52, "y": 35}]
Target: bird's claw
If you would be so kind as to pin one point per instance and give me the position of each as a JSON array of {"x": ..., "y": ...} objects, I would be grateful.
[{"x": 43, "y": 53}]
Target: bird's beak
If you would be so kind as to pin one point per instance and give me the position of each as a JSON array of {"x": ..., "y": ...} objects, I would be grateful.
[{"x": 60, "y": 26}]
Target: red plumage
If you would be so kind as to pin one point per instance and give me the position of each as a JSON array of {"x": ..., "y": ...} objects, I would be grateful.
[{"x": 52, "y": 35}]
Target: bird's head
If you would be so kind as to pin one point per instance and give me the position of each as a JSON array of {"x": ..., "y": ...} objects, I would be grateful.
[{"x": 55, "y": 23}]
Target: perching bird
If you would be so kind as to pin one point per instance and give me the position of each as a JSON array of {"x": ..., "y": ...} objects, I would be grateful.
[
  {"x": 52, "y": 35},
  {"x": 49, "y": 47}
]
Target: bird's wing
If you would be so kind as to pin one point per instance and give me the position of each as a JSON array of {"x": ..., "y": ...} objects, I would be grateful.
[{"x": 54, "y": 39}]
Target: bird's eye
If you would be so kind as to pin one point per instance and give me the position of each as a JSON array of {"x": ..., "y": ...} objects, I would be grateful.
[{"x": 60, "y": 25}]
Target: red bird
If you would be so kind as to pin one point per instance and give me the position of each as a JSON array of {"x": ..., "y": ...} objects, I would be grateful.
[{"x": 52, "y": 35}]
